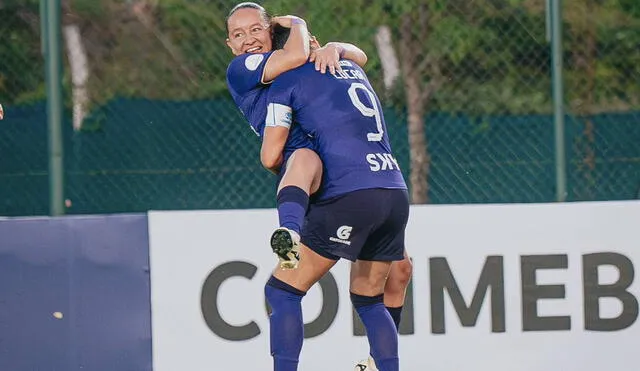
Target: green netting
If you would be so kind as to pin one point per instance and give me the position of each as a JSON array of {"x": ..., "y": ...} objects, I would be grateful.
[
  {"x": 173, "y": 158},
  {"x": 149, "y": 123}
]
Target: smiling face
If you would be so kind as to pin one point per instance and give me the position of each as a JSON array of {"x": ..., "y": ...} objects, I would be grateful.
[{"x": 249, "y": 32}]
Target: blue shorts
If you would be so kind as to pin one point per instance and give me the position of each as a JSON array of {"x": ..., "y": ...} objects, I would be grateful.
[{"x": 368, "y": 224}]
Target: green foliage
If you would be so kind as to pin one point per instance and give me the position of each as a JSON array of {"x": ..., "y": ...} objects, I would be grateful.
[
  {"x": 198, "y": 29},
  {"x": 21, "y": 68},
  {"x": 492, "y": 56},
  {"x": 90, "y": 9},
  {"x": 601, "y": 42},
  {"x": 352, "y": 21}
]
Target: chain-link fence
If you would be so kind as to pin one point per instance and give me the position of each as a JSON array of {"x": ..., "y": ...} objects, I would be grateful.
[
  {"x": 23, "y": 141},
  {"x": 467, "y": 89},
  {"x": 603, "y": 95}
]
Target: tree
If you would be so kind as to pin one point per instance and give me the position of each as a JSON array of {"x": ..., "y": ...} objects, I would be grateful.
[
  {"x": 601, "y": 39},
  {"x": 21, "y": 69}
]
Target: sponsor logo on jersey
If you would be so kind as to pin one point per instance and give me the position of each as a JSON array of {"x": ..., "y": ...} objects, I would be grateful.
[
  {"x": 382, "y": 161},
  {"x": 253, "y": 61}
]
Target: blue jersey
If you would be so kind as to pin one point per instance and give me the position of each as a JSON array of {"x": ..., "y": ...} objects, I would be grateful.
[
  {"x": 343, "y": 116},
  {"x": 249, "y": 92}
]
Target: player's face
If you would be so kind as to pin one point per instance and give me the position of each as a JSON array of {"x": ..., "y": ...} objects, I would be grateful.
[{"x": 248, "y": 32}]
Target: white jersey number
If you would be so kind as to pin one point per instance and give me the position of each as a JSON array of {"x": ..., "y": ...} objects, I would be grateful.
[{"x": 367, "y": 111}]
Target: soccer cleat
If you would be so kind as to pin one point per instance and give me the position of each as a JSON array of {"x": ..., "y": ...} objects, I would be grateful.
[
  {"x": 286, "y": 244},
  {"x": 366, "y": 365}
]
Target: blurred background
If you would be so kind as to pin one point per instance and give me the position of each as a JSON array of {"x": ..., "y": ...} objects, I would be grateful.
[{"x": 486, "y": 101}]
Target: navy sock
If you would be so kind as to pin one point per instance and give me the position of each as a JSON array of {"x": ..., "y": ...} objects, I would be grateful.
[
  {"x": 287, "y": 328},
  {"x": 396, "y": 314},
  {"x": 292, "y": 207},
  {"x": 381, "y": 331}
]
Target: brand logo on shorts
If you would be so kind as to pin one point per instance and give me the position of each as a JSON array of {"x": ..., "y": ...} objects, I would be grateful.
[{"x": 343, "y": 234}]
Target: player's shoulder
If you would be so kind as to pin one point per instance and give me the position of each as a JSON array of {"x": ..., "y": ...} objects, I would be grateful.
[
  {"x": 247, "y": 63},
  {"x": 347, "y": 63},
  {"x": 298, "y": 72}
]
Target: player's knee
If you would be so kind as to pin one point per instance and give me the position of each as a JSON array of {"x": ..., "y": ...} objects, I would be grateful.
[
  {"x": 367, "y": 288},
  {"x": 401, "y": 274},
  {"x": 368, "y": 284},
  {"x": 306, "y": 158}
]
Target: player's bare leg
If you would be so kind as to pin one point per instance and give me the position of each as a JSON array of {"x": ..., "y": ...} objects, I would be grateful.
[
  {"x": 303, "y": 170},
  {"x": 284, "y": 293},
  {"x": 310, "y": 269},
  {"x": 395, "y": 290},
  {"x": 302, "y": 177},
  {"x": 368, "y": 280}
]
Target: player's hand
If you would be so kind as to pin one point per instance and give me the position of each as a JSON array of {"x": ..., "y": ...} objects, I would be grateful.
[
  {"x": 325, "y": 57},
  {"x": 1, "y": 112},
  {"x": 286, "y": 20}
]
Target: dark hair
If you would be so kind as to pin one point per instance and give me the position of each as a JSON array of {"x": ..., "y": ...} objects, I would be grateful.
[
  {"x": 247, "y": 5},
  {"x": 280, "y": 36}
]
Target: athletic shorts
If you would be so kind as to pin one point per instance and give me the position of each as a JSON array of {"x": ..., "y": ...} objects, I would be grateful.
[{"x": 367, "y": 224}]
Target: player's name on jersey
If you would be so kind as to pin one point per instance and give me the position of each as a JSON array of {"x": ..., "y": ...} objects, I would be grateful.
[
  {"x": 349, "y": 75},
  {"x": 382, "y": 161}
]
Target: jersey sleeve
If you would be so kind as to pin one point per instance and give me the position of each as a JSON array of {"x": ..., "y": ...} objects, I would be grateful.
[
  {"x": 245, "y": 72},
  {"x": 280, "y": 101}
]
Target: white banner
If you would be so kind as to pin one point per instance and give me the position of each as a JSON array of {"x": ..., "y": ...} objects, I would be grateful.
[{"x": 534, "y": 287}]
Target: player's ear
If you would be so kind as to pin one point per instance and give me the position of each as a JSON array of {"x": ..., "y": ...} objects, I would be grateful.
[{"x": 233, "y": 51}]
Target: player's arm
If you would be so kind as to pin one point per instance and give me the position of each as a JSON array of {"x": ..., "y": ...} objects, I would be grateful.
[
  {"x": 278, "y": 121},
  {"x": 276, "y": 131},
  {"x": 329, "y": 55},
  {"x": 244, "y": 75},
  {"x": 273, "y": 142},
  {"x": 279, "y": 118},
  {"x": 295, "y": 51},
  {"x": 350, "y": 51}
]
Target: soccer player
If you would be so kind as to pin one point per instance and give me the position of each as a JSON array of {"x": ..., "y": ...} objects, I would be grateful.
[
  {"x": 249, "y": 33},
  {"x": 361, "y": 209},
  {"x": 255, "y": 66}
]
